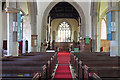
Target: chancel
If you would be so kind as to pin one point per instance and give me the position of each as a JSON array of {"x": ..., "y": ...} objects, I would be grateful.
[{"x": 59, "y": 40}]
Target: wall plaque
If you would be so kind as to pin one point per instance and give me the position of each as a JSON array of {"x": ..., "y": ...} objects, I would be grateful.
[{"x": 34, "y": 40}]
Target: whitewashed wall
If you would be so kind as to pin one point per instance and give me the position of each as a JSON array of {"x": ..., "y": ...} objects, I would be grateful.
[
  {"x": 86, "y": 6},
  {"x": 26, "y": 33}
]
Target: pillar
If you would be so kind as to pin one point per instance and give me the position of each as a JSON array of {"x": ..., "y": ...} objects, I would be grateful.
[
  {"x": 43, "y": 37},
  {"x": 1, "y": 41},
  {"x": 83, "y": 30},
  {"x": 119, "y": 33},
  {"x": 115, "y": 42},
  {"x": 33, "y": 32},
  {"x": 9, "y": 31},
  {"x": 39, "y": 33},
  {"x": 33, "y": 16},
  {"x": 15, "y": 42},
  {"x": 94, "y": 26},
  {"x": 94, "y": 34},
  {"x": 12, "y": 44},
  {"x": 49, "y": 29},
  {"x": 98, "y": 36},
  {"x": 96, "y": 43}
]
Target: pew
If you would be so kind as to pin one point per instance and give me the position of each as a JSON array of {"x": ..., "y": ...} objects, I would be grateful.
[
  {"x": 97, "y": 64},
  {"x": 40, "y": 65},
  {"x": 102, "y": 72},
  {"x": 21, "y": 72}
]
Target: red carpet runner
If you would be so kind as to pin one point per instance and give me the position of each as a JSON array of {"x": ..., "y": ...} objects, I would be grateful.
[{"x": 63, "y": 69}]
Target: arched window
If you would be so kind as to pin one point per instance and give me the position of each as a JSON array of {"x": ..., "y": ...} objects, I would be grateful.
[
  {"x": 64, "y": 32},
  {"x": 103, "y": 29}
]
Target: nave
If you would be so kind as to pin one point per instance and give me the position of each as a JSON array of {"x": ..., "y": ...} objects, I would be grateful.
[{"x": 60, "y": 39}]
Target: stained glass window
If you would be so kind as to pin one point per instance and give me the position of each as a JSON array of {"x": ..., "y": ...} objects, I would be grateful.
[
  {"x": 64, "y": 32},
  {"x": 103, "y": 30}
]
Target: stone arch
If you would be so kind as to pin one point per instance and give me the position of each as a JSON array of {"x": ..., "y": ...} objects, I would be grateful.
[{"x": 75, "y": 5}]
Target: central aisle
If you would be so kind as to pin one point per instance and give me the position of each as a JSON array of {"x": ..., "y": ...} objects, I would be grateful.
[{"x": 63, "y": 69}]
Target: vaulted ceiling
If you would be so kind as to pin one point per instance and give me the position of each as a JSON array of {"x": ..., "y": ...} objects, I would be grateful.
[{"x": 63, "y": 10}]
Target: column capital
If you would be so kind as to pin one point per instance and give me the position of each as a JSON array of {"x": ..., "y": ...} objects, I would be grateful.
[{"x": 11, "y": 10}]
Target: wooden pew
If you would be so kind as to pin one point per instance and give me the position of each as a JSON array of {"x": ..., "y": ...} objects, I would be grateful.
[
  {"x": 94, "y": 60},
  {"x": 22, "y": 72},
  {"x": 96, "y": 65},
  {"x": 102, "y": 72},
  {"x": 33, "y": 60},
  {"x": 25, "y": 64}
]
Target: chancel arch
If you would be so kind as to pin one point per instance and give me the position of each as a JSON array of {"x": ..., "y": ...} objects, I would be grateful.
[{"x": 75, "y": 5}]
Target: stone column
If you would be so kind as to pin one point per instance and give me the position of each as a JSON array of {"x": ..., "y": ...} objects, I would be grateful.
[
  {"x": 83, "y": 30},
  {"x": 33, "y": 32},
  {"x": 33, "y": 16},
  {"x": 39, "y": 33},
  {"x": 98, "y": 36},
  {"x": 43, "y": 37},
  {"x": 49, "y": 29},
  {"x": 94, "y": 34},
  {"x": 115, "y": 42},
  {"x": 9, "y": 30},
  {"x": 9, "y": 34},
  {"x": 1, "y": 40},
  {"x": 119, "y": 32},
  {"x": 94, "y": 26},
  {"x": 12, "y": 45}
]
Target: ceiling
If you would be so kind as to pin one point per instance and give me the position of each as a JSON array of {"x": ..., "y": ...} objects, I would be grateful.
[{"x": 63, "y": 10}]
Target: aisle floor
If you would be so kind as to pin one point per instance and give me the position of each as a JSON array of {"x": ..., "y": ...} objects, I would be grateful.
[{"x": 63, "y": 69}]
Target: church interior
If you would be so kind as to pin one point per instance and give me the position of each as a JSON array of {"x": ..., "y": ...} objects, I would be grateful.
[{"x": 59, "y": 40}]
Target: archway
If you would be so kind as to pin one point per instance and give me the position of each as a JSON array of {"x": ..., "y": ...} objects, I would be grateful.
[{"x": 75, "y": 5}]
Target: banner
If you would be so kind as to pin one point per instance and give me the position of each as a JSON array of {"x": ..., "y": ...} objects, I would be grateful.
[
  {"x": 19, "y": 27},
  {"x": 87, "y": 40},
  {"x": 109, "y": 37},
  {"x": 76, "y": 49}
]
